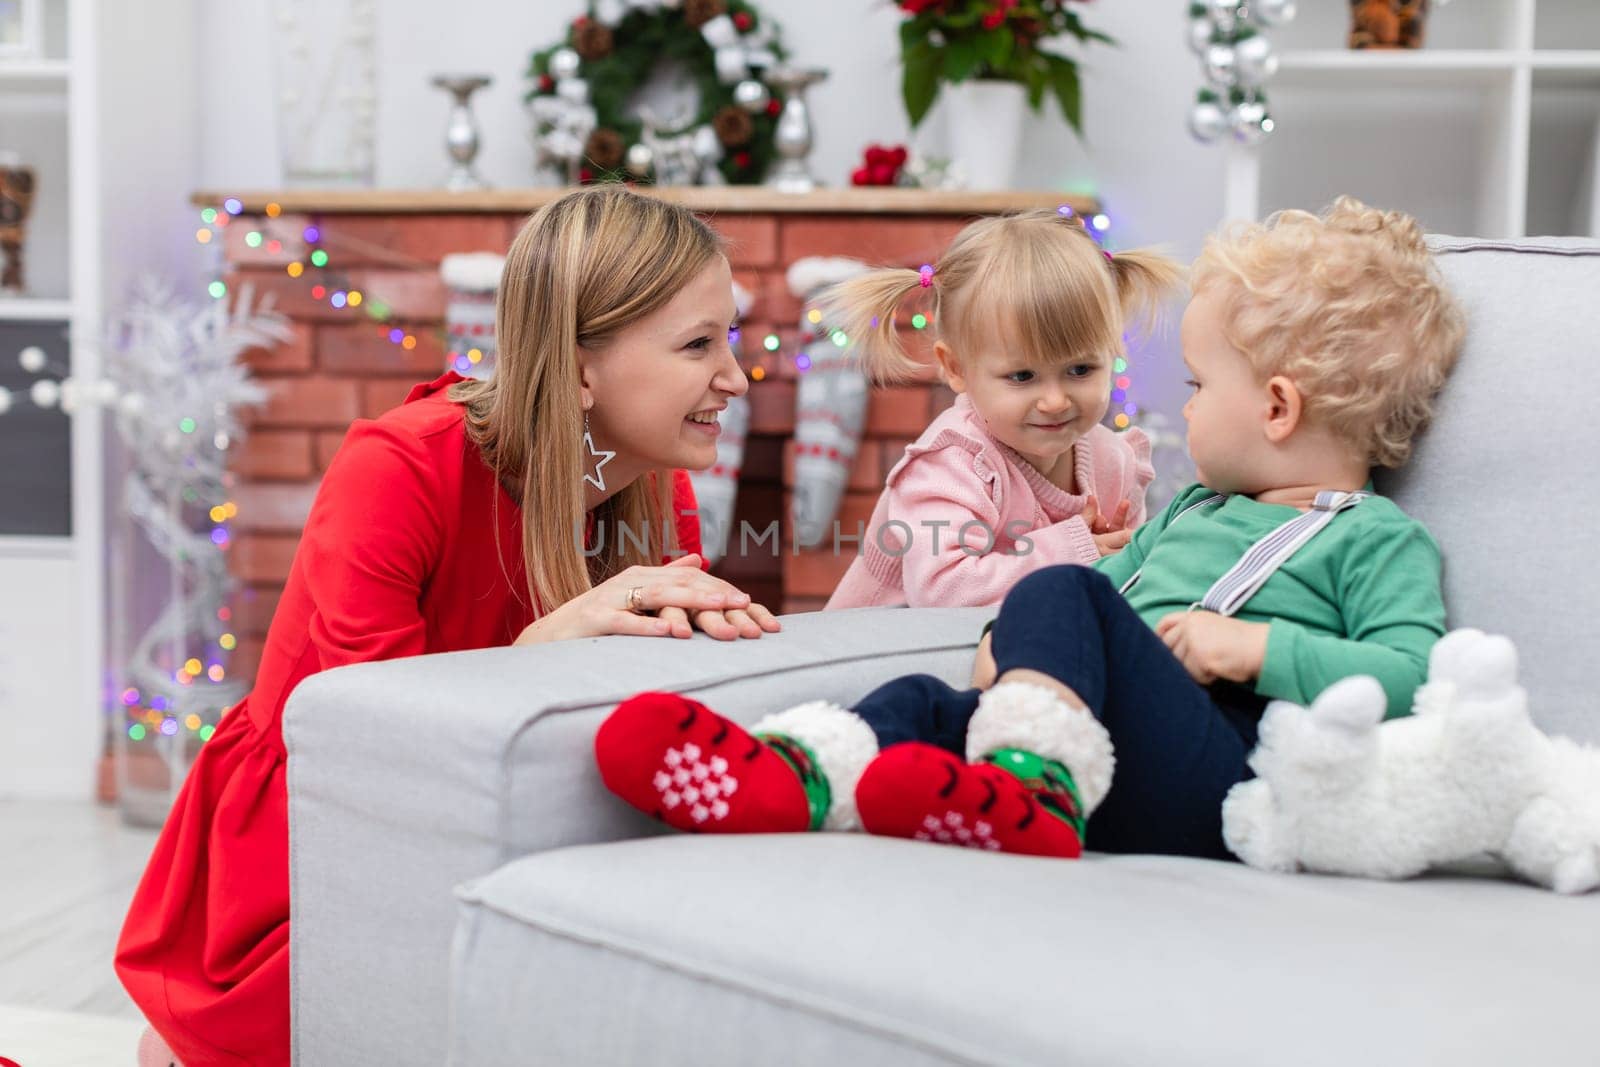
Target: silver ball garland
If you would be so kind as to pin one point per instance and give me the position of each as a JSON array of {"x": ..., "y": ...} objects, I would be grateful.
[
  {"x": 1221, "y": 66},
  {"x": 1237, "y": 60},
  {"x": 1254, "y": 61},
  {"x": 1272, "y": 12},
  {"x": 1251, "y": 123},
  {"x": 1207, "y": 121}
]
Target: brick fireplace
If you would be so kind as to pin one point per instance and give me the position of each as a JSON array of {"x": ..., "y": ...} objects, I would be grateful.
[{"x": 340, "y": 364}]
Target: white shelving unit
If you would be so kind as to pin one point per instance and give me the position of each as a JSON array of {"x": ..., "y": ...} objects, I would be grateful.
[
  {"x": 52, "y": 586},
  {"x": 1491, "y": 130},
  {"x": 35, "y": 309}
]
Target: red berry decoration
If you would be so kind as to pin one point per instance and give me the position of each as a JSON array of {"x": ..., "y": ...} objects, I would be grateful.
[
  {"x": 774, "y": 107},
  {"x": 742, "y": 21},
  {"x": 880, "y": 166},
  {"x": 741, "y": 160},
  {"x": 586, "y": 175},
  {"x": 546, "y": 83}
]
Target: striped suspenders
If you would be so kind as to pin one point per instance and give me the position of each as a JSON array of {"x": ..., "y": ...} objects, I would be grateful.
[{"x": 1230, "y": 592}]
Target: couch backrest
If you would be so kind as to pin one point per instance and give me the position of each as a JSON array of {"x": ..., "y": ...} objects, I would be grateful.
[{"x": 1503, "y": 477}]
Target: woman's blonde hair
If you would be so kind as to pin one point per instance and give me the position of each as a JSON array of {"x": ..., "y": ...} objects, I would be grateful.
[
  {"x": 583, "y": 269},
  {"x": 1349, "y": 306},
  {"x": 1037, "y": 277}
]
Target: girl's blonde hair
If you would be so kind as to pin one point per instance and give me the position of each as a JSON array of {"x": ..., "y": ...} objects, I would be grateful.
[
  {"x": 583, "y": 269},
  {"x": 1350, "y": 307},
  {"x": 1034, "y": 279}
]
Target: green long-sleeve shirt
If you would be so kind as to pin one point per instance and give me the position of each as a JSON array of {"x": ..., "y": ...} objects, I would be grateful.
[{"x": 1361, "y": 597}]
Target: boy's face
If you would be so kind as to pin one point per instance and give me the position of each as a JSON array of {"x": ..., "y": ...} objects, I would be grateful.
[{"x": 1228, "y": 409}]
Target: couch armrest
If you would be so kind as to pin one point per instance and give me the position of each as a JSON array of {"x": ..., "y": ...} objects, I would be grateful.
[{"x": 410, "y": 776}]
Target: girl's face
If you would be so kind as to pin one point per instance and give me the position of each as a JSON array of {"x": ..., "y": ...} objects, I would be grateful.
[
  {"x": 1039, "y": 410},
  {"x": 653, "y": 392}
]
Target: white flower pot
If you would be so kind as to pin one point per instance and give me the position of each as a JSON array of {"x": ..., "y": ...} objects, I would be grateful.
[{"x": 985, "y": 129}]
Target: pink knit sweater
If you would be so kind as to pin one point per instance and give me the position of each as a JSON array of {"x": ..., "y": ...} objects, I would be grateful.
[{"x": 957, "y": 488}]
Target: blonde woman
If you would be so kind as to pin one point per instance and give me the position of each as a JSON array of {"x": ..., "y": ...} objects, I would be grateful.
[{"x": 546, "y": 503}]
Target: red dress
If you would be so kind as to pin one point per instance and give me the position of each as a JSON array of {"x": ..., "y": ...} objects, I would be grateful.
[{"x": 398, "y": 558}]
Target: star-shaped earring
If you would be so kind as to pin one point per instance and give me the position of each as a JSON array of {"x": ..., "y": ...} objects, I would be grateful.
[{"x": 598, "y": 456}]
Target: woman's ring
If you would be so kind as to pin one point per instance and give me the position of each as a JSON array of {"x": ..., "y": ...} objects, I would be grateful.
[{"x": 636, "y": 599}]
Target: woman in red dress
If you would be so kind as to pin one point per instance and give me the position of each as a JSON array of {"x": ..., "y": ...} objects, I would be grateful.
[{"x": 477, "y": 513}]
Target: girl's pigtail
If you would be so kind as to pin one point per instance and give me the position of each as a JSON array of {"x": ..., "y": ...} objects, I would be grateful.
[
  {"x": 1146, "y": 279},
  {"x": 864, "y": 307}
]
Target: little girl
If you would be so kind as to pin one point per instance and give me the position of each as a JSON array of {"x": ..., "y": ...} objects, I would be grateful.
[
  {"x": 1316, "y": 345},
  {"x": 1031, "y": 315}
]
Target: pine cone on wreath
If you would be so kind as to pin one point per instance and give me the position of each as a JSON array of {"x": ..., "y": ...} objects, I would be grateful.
[
  {"x": 733, "y": 126},
  {"x": 697, "y": 13},
  {"x": 605, "y": 149},
  {"x": 592, "y": 40}
]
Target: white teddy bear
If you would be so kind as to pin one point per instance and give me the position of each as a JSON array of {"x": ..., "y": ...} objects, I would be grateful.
[{"x": 1467, "y": 774}]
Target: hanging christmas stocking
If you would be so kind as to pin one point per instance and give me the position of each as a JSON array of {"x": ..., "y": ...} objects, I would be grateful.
[
  {"x": 830, "y": 405},
  {"x": 471, "y": 279},
  {"x": 717, "y": 488}
]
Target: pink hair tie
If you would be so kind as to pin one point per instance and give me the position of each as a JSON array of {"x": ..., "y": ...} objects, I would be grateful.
[
  {"x": 1109, "y": 257},
  {"x": 926, "y": 276}
]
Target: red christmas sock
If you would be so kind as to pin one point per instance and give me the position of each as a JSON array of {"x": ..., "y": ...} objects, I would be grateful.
[
  {"x": 924, "y": 793},
  {"x": 677, "y": 760}
]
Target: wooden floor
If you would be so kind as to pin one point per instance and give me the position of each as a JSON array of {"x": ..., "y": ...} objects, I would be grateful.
[{"x": 67, "y": 872}]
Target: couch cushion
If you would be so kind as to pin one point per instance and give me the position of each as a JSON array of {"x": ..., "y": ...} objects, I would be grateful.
[
  {"x": 836, "y": 948},
  {"x": 1504, "y": 478},
  {"x": 408, "y": 777}
]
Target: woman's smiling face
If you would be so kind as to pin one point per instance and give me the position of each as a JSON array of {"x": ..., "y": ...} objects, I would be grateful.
[{"x": 654, "y": 390}]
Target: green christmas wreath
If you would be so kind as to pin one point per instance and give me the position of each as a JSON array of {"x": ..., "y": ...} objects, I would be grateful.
[{"x": 582, "y": 87}]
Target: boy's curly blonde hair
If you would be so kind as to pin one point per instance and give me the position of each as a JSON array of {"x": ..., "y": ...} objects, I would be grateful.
[{"x": 1350, "y": 307}]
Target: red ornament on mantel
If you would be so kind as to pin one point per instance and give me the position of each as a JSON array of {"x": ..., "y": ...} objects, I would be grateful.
[
  {"x": 880, "y": 166},
  {"x": 742, "y": 22}
]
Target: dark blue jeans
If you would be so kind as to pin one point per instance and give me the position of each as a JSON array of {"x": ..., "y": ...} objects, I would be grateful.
[{"x": 1180, "y": 746}]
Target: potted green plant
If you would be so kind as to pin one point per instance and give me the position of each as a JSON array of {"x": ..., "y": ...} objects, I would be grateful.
[{"x": 988, "y": 57}]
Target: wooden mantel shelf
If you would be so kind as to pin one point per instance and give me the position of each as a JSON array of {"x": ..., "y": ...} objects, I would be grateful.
[{"x": 734, "y": 199}]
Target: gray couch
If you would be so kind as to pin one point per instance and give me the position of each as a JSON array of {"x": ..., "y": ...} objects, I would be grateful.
[{"x": 465, "y": 891}]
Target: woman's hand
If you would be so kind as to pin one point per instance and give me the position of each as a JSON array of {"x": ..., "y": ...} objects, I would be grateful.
[
  {"x": 653, "y": 602},
  {"x": 727, "y": 625}
]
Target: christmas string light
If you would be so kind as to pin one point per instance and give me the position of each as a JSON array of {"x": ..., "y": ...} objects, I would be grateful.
[{"x": 315, "y": 266}]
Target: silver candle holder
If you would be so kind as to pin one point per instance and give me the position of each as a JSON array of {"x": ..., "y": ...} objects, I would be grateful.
[
  {"x": 793, "y": 138},
  {"x": 461, "y": 133}
]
